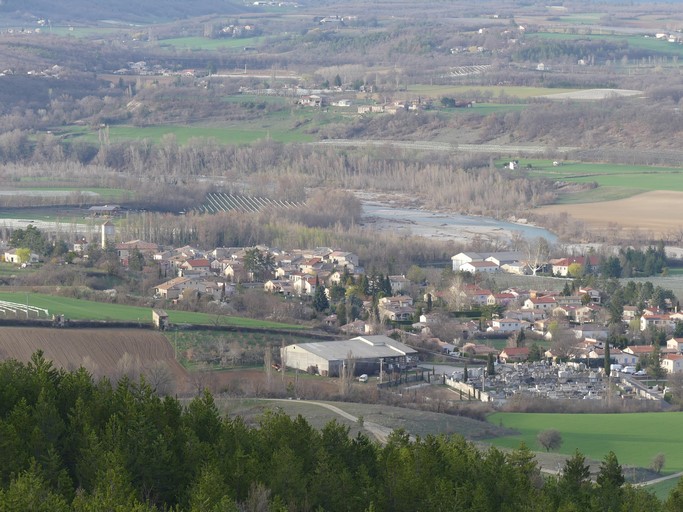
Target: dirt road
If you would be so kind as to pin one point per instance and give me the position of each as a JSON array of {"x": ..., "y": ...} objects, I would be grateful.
[{"x": 380, "y": 432}]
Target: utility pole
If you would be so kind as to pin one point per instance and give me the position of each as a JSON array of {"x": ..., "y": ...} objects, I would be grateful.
[{"x": 381, "y": 367}]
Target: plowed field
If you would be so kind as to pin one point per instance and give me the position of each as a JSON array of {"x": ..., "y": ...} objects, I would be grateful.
[
  {"x": 103, "y": 352},
  {"x": 651, "y": 212}
]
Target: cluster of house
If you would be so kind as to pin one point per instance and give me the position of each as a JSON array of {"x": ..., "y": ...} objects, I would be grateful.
[
  {"x": 581, "y": 314},
  {"x": 517, "y": 262},
  {"x": 216, "y": 272},
  {"x": 395, "y": 107},
  {"x": 296, "y": 272}
]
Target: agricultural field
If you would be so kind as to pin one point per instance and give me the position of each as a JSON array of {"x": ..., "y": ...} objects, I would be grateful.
[
  {"x": 484, "y": 109},
  {"x": 222, "y": 134},
  {"x": 222, "y": 202},
  {"x": 203, "y": 43},
  {"x": 649, "y": 212},
  {"x": 494, "y": 91},
  {"x": 92, "y": 193},
  {"x": 77, "y": 309},
  {"x": 89, "y": 32},
  {"x": 9, "y": 270},
  {"x": 640, "y": 42},
  {"x": 636, "y": 438},
  {"x": 103, "y": 352},
  {"x": 615, "y": 181}
]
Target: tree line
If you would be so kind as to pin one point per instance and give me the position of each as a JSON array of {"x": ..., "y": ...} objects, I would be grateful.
[{"x": 69, "y": 443}]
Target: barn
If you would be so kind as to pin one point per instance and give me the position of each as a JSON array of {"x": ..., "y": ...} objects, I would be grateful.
[{"x": 366, "y": 352}]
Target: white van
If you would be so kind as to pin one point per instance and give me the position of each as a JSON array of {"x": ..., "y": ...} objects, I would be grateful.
[
  {"x": 629, "y": 369},
  {"x": 363, "y": 378}
]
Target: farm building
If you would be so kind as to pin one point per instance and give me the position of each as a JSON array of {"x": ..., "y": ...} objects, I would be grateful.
[{"x": 328, "y": 357}]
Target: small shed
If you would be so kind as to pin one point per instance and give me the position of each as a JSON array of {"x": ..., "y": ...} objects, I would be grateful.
[{"x": 160, "y": 319}]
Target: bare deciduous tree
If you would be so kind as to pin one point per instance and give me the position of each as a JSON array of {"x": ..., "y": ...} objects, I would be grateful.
[
  {"x": 549, "y": 439},
  {"x": 563, "y": 341},
  {"x": 658, "y": 462},
  {"x": 128, "y": 366},
  {"x": 538, "y": 252},
  {"x": 160, "y": 377}
]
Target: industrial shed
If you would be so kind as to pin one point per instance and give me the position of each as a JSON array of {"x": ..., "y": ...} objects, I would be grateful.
[{"x": 328, "y": 357}]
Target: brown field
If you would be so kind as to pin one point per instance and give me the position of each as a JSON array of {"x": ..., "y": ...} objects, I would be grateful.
[
  {"x": 103, "y": 352},
  {"x": 650, "y": 212}
]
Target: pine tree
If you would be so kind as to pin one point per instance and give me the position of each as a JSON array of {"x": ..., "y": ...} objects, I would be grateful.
[
  {"x": 341, "y": 314},
  {"x": 490, "y": 366},
  {"x": 320, "y": 302}
]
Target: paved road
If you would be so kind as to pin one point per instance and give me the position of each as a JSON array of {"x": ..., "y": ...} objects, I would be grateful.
[{"x": 445, "y": 146}]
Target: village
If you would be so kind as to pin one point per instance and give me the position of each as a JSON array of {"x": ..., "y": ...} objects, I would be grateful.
[{"x": 489, "y": 345}]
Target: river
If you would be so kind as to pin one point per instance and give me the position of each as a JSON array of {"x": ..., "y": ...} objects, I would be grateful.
[{"x": 445, "y": 226}]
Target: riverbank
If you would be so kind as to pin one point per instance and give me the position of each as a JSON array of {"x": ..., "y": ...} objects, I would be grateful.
[{"x": 386, "y": 213}]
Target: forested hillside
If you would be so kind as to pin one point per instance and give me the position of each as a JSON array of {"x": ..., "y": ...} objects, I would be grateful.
[
  {"x": 68, "y": 443},
  {"x": 120, "y": 10}
]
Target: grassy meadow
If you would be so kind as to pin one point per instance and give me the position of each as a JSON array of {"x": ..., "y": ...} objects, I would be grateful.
[
  {"x": 77, "y": 309},
  {"x": 634, "y": 41},
  {"x": 636, "y": 438},
  {"x": 36, "y": 187},
  {"x": 495, "y": 91},
  {"x": 203, "y": 43},
  {"x": 614, "y": 181}
]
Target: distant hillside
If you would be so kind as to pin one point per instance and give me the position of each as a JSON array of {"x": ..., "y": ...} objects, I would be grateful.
[{"x": 118, "y": 10}]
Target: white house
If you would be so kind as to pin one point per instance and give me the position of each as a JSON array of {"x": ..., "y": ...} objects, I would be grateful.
[
  {"x": 505, "y": 325},
  {"x": 542, "y": 303},
  {"x": 474, "y": 267},
  {"x": 461, "y": 258},
  {"x": 675, "y": 344},
  {"x": 11, "y": 256},
  {"x": 672, "y": 363},
  {"x": 659, "y": 321}
]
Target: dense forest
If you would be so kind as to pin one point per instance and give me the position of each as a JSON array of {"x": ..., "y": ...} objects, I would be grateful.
[{"x": 69, "y": 443}]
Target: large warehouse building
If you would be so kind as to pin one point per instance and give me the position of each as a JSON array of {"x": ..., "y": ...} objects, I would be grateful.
[{"x": 328, "y": 357}]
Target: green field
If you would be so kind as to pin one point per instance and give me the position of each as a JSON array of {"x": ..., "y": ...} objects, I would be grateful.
[
  {"x": 634, "y": 41},
  {"x": 224, "y": 135},
  {"x": 614, "y": 181},
  {"x": 9, "y": 269},
  {"x": 484, "y": 109},
  {"x": 496, "y": 91},
  {"x": 104, "y": 194},
  {"x": 203, "y": 43},
  {"x": 662, "y": 489},
  {"x": 86, "y": 31},
  {"x": 635, "y": 438},
  {"x": 584, "y": 18},
  {"x": 77, "y": 309}
]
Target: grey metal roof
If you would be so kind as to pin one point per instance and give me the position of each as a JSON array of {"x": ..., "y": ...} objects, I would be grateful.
[{"x": 361, "y": 347}]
